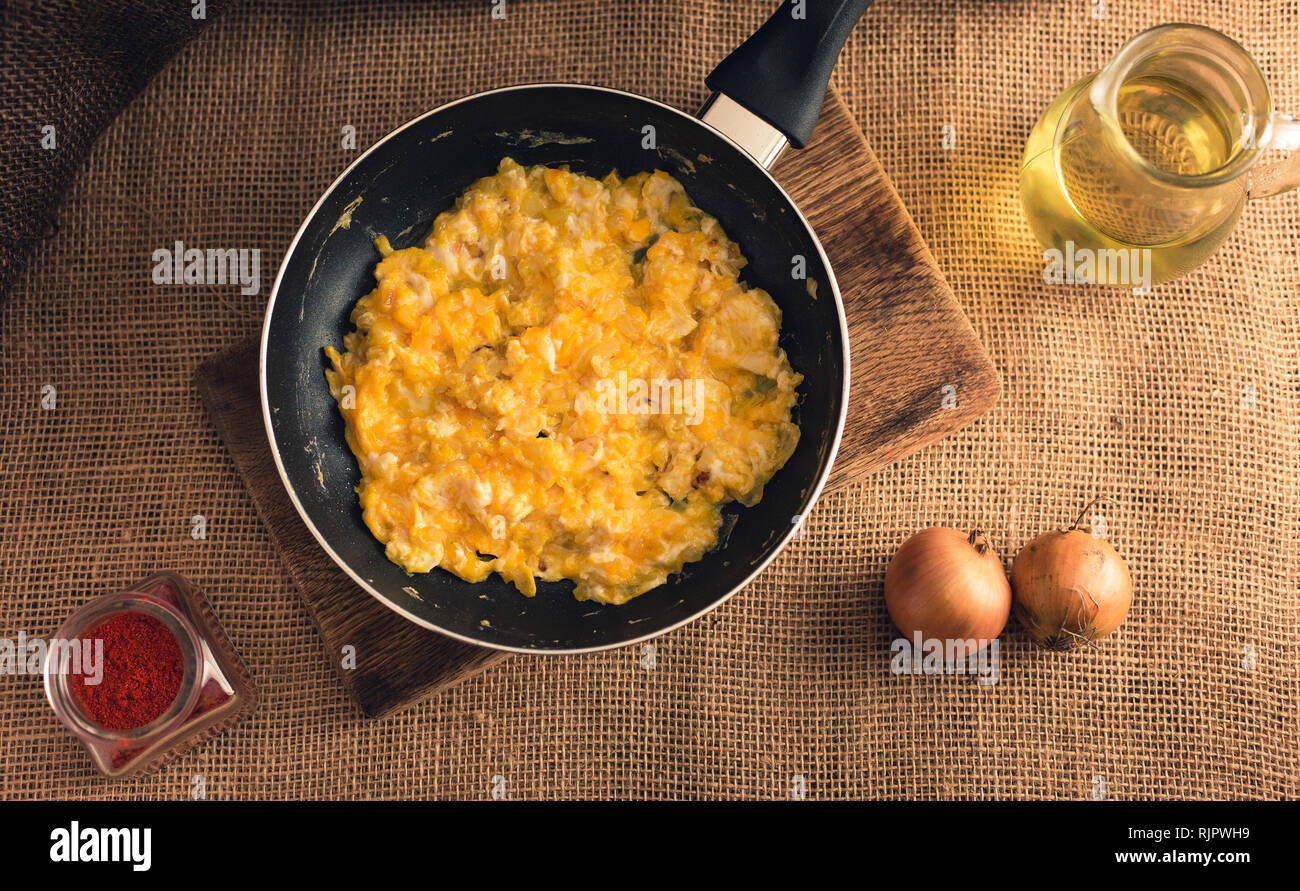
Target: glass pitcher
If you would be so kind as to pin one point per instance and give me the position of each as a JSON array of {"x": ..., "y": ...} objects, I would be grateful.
[{"x": 1136, "y": 174}]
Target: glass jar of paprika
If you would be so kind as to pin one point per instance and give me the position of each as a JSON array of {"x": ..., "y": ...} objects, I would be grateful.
[{"x": 144, "y": 675}]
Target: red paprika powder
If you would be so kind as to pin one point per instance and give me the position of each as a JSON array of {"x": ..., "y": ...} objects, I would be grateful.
[
  {"x": 141, "y": 672},
  {"x": 168, "y": 678}
]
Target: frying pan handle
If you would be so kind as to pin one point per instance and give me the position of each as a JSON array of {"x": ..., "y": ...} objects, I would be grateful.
[{"x": 781, "y": 72}]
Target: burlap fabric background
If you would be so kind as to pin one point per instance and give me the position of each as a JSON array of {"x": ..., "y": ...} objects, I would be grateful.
[{"x": 1180, "y": 407}]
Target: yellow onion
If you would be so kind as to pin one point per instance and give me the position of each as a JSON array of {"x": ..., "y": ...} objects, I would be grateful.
[
  {"x": 944, "y": 584},
  {"x": 1070, "y": 587}
]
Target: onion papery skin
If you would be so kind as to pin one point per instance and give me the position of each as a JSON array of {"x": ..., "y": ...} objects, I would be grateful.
[
  {"x": 948, "y": 585},
  {"x": 1070, "y": 588}
]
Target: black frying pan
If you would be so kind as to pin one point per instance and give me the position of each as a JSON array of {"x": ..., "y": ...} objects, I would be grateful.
[{"x": 769, "y": 90}]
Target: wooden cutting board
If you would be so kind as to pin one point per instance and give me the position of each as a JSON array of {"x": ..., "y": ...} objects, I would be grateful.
[{"x": 918, "y": 373}]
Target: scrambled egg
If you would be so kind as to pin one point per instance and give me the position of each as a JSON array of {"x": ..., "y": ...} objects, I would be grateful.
[{"x": 567, "y": 381}]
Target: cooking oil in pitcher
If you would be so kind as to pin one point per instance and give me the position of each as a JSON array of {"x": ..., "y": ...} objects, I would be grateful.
[{"x": 1135, "y": 175}]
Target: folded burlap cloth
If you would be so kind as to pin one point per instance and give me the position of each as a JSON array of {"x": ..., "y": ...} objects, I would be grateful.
[{"x": 67, "y": 68}]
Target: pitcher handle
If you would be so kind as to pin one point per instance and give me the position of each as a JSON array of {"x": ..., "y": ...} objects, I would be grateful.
[{"x": 1284, "y": 175}]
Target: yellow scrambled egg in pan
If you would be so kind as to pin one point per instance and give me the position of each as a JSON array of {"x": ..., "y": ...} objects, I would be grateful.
[{"x": 567, "y": 381}]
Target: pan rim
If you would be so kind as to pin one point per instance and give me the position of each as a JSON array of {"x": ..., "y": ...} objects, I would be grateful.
[{"x": 809, "y": 502}]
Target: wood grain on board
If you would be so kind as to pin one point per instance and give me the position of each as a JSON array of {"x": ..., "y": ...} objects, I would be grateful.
[
  {"x": 909, "y": 341},
  {"x": 908, "y": 336}
]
